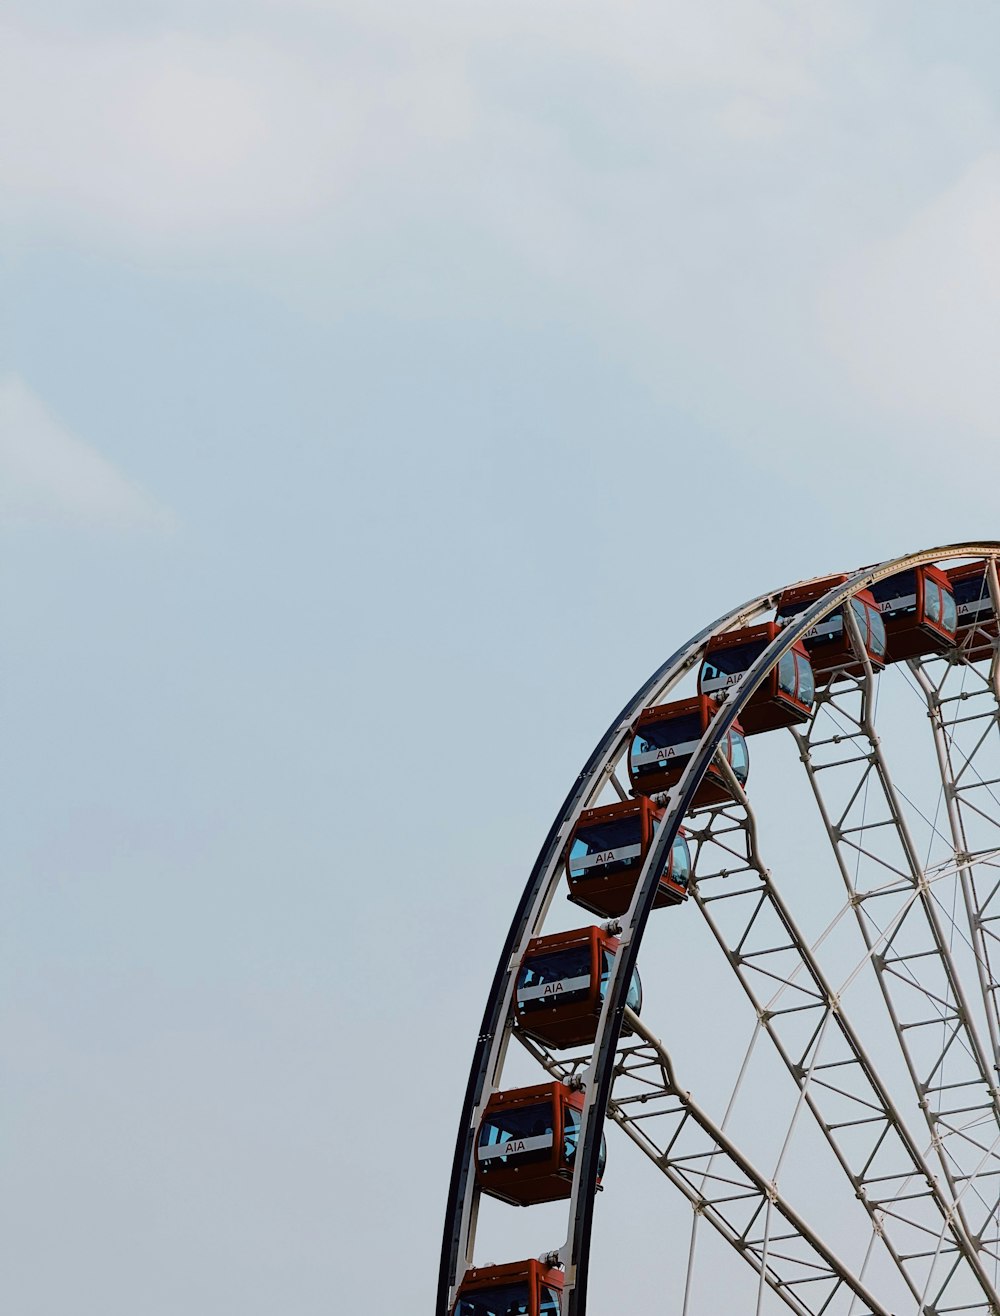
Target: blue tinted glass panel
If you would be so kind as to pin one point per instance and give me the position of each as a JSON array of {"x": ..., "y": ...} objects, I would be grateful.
[
  {"x": 550, "y": 1302},
  {"x": 665, "y": 735},
  {"x": 557, "y": 967},
  {"x": 896, "y": 596},
  {"x": 789, "y": 610},
  {"x": 932, "y": 601},
  {"x": 828, "y": 631},
  {"x": 806, "y": 690},
  {"x": 876, "y": 632},
  {"x": 970, "y": 593},
  {"x": 738, "y": 756},
  {"x": 505, "y": 1300},
  {"x": 634, "y": 998},
  {"x": 672, "y": 730},
  {"x": 571, "y": 1134},
  {"x": 738, "y": 658},
  {"x": 571, "y": 1140},
  {"x": 680, "y": 865},
  {"x": 525, "y": 1133},
  {"x": 600, "y": 838},
  {"x": 786, "y": 674},
  {"x": 949, "y": 614}
]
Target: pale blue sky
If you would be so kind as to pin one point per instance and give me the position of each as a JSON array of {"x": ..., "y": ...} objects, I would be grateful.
[{"x": 378, "y": 378}]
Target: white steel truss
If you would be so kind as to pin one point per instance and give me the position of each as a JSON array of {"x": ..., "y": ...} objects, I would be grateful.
[
  {"x": 805, "y": 1019},
  {"x": 901, "y": 924},
  {"x": 722, "y": 1186}
]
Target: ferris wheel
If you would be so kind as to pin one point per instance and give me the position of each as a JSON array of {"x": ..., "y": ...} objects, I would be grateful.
[{"x": 796, "y": 821}]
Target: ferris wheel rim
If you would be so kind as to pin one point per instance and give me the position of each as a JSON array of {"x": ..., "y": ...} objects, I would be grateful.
[{"x": 495, "y": 1031}]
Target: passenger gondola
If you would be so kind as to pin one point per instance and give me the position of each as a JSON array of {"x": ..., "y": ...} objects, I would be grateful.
[
  {"x": 828, "y": 643},
  {"x": 667, "y": 735},
  {"x": 561, "y": 987},
  {"x": 606, "y": 852},
  {"x": 527, "y": 1142},
  {"x": 520, "y": 1288},
  {"x": 977, "y": 631},
  {"x": 918, "y": 610},
  {"x": 786, "y": 695}
]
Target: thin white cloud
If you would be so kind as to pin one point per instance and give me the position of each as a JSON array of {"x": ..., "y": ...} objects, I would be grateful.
[
  {"x": 151, "y": 140},
  {"x": 914, "y": 317},
  {"x": 241, "y": 126},
  {"x": 48, "y": 474}
]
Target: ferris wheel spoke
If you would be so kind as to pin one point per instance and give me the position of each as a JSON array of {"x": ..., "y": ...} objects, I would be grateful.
[
  {"x": 932, "y": 1019},
  {"x": 805, "y": 1020}
]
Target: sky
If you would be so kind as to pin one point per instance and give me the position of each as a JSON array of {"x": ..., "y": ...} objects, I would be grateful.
[{"x": 385, "y": 391}]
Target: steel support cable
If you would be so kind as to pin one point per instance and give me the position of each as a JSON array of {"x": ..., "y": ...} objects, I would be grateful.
[
  {"x": 864, "y": 1270},
  {"x": 494, "y": 1033},
  {"x": 851, "y": 1078},
  {"x": 731, "y": 1194},
  {"x": 689, "y": 1270},
  {"x": 933, "y": 1094},
  {"x": 709, "y": 1165}
]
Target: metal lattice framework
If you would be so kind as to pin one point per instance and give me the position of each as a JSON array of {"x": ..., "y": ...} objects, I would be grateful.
[{"x": 919, "y": 1147}]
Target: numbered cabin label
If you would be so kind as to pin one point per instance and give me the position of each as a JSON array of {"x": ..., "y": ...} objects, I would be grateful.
[
  {"x": 548, "y": 990},
  {"x": 515, "y": 1146},
  {"x": 664, "y": 753},
  {"x": 606, "y": 857}
]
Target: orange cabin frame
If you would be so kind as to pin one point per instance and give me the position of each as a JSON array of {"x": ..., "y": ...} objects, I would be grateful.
[
  {"x": 608, "y": 894},
  {"x": 908, "y": 602},
  {"x": 501, "y": 1168},
  {"x": 978, "y": 628},
  {"x": 534, "y": 1274},
  {"x": 783, "y": 699},
  {"x": 713, "y": 788},
  {"x": 559, "y": 1014},
  {"x": 828, "y": 644}
]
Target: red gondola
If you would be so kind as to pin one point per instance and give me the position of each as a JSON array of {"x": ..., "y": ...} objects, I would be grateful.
[
  {"x": 918, "y": 609},
  {"x": 605, "y": 854},
  {"x": 527, "y": 1144},
  {"x": 786, "y": 695},
  {"x": 976, "y": 616},
  {"x": 665, "y": 738},
  {"x": 561, "y": 986},
  {"x": 828, "y": 643},
  {"x": 520, "y": 1288}
]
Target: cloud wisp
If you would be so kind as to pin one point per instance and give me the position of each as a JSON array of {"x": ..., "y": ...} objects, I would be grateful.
[
  {"x": 215, "y": 131},
  {"x": 49, "y": 475}
]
